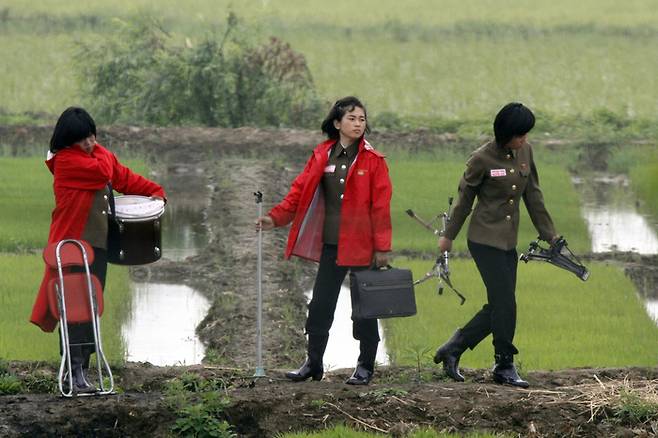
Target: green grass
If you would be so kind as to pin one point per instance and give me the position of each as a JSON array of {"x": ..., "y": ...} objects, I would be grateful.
[
  {"x": 346, "y": 432},
  {"x": 455, "y": 60},
  {"x": 21, "y": 340},
  {"x": 644, "y": 179},
  {"x": 26, "y": 202},
  {"x": 424, "y": 184},
  {"x": 562, "y": 321}
]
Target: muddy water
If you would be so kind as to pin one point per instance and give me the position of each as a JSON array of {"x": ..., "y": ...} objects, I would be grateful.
[
  {"x": 342, "y": 349},
  {"x": 609, "y": 207},
  {"x": 614, "y": 223},
  {"x": 161, "y": 328},
  {"x": 652, "y": 309}
]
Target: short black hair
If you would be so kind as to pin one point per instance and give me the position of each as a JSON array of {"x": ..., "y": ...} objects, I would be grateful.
[
  {"x": 513, "y": 120},
  {"x": 73, "y": 125},
  {"x": 338, "y": 111}
]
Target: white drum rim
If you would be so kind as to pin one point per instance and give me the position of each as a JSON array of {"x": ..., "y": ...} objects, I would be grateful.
[{"x": 123, "y": 217}]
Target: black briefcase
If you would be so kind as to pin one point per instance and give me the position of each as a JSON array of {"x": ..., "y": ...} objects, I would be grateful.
[{"x": 382, "y": 293}]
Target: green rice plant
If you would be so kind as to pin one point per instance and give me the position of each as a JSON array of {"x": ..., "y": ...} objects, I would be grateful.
[
  {"x": 20, "y": 340},
  {"x": 562, "y": 321},
  {"x": 26, "y": 201},
  {"x": 425, "y": 183},
  {"x": 456, "y": 61},
  {"x": 644, "y": 179}
]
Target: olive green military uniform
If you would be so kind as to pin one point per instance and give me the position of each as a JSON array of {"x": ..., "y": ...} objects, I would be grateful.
[
  {"x": 333, "y": 186},
  {"x": 499, "y": 177}
]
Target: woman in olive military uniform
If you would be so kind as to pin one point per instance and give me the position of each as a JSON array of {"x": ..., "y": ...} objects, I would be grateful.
[{"x": 499, "y": 174}]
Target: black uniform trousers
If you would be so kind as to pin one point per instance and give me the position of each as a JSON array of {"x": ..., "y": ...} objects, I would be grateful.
[
  {"x": 498, "y": 271},
  {"x": 84, "y": 332},
  {"x": 325, "y": 296}
]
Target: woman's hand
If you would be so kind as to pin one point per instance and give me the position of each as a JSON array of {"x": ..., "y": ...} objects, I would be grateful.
[
  {"x": 380, "y": 259},
  {"x": 264, "y": 223},
  {"x": 445, "y": 244}
]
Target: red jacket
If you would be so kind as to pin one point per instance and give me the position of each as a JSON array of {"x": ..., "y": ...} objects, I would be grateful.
[
  {"x": 77, "y": 177},
  {"x": 365, "y": 220}
]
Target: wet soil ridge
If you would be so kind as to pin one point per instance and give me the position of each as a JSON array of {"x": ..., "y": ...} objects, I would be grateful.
[{"x": 576, "y": 403}]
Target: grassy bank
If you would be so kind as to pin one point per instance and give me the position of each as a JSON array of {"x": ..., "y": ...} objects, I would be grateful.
[
  {"x": 26, "y": 202},
  {"x": 562, "y": 322},
  {"x": 346, "y": 432},
  {"x": 20, "y": 340}
]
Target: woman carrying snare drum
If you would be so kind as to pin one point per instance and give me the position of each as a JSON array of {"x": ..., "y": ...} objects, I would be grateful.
[{"x": 83, "y": 171}]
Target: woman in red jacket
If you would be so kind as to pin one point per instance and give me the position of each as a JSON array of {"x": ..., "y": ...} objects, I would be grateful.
[
  {"x": 84, "y": 175},
  {"x": 339, "y": 206}
]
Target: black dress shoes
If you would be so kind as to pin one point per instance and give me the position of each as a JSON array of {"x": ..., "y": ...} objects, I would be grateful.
[
  {"x": 504, "y": 372},
  {"x": 308, "y": 369},
  {"x": 361, "y": 376},
  {"x": 450, "y": 353}
]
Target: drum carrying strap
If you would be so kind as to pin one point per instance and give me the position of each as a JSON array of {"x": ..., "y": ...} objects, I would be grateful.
[{"x": 112, "y": 213}]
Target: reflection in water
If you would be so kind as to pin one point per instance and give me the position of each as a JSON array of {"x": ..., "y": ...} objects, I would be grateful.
[
  {"x": 612, "y": 217},
  {"x": 621, "y": 230},
  {"x": 342, "y": 349},
  {"x": 183, "y": 232},
  {"x": 652, "y": 309},
  {"x": 609, "y": 207},
  {"x": 162, "y": 323}
]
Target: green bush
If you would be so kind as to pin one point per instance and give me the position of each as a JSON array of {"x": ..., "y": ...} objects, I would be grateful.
[
  {"x": 141, "y": 77},
  {"x": 9, "y": 384}
]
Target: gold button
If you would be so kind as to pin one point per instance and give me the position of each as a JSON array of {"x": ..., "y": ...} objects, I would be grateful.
[
  {"x": 343, "y": 166},
  {"x": 513, "y": 186},
  {"x": 508, "y": 218},
  {"x": 511, "y": 171},
  {"x": 511, "y": 202},
  {"x": 342, "y": 180},
  {"x": 103, "y": 212}
]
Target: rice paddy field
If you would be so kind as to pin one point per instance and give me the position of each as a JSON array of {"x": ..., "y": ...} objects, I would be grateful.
[
  {"x": 442, "y": 60},
  {"x": 562, "y": 321},
  {"x": 26, "y": 202},
  {"x": 417, "y": 59}
]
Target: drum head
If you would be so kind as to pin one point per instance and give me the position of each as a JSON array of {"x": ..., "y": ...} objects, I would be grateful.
[{"x": 133, "y": 208}]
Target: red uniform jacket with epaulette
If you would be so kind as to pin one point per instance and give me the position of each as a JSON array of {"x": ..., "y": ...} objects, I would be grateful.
[
  {"x": 365, "y": 222},
  {"x": 77, "y": 177}
]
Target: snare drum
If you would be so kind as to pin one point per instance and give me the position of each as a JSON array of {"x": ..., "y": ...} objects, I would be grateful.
[{"x": 135, "y": 233}]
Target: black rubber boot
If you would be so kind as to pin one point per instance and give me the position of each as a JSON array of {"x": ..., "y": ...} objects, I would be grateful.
[
  {"x": 504, "y": 371},
  {"x": 449, "y": 353},
  {"x": 80, "y": 384},
  {"x": 365, "y": 367},
  {"x": 312, "y": 367}
]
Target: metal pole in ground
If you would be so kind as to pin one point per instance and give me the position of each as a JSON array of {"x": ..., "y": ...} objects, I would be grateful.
[{"x": 260, "y": 371}]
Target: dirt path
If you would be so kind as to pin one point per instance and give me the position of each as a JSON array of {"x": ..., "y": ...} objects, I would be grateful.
[{"x": 576, "y": 403}]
